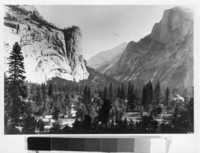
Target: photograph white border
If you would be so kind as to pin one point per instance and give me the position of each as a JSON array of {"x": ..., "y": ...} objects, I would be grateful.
[{"x": 10, "y": 141}]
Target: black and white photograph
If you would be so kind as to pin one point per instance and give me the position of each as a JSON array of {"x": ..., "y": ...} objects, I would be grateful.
[{"x": 98, "y": 69}]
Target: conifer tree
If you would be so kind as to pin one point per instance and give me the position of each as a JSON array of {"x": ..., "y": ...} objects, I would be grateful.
[
  {"x": 150, "y": 92},
  {"x": 43, "y": 89},
  {"x": 32, "y": 89},
  {"x": 104, "y": 113},
  {"x": 123, "y": 95},
  {"x": 105, "y": 92},
  {"x": 111, "y": 91},
  {"x": 118, "y": 92},
  {"x": 50, "y": 92},
  {"x": 99, "y": 93},
  {"x": 137, "y": 93},
  {"x": 144, "y": 101},
  {"x": 15, "y": 84},
  {"x": 88, "y": 95},
  {"x": 147, "y": 96},
  {"x": 85, "y": 95},
  {"x": 6, "y": 104},
  {"x": 129, "y": 95},
  {"x": 167, "y": 93},
  {"x": 157, "y": 94},
  {"x": 132, "y": 106},
  {"x": 38, "y": 97},
  {"x": 55, "y": 87}
]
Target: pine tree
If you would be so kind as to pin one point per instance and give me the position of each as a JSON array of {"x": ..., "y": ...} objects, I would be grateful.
[
  {"x": 157, "y": 94},
  {"x": 123, "y": 95},
  {"x": 38, "y": 97},
  {"x": 15, "y": 84},
  {"x": 133, "y": 97},
  {"x": 60, "y": 89},
  {"x": 157, "y": 97},
  {"x": 99, "y": 93},
  {"x": 88, "y": 95},
  {"x": 6, "y": 103},
  {"x": 55, "y": 87},
  {"x": 129, "y": 95},
  {"x": 144, "y": 101},
  {"x": 147, "y": 96},
  {"x": 110, "y": 91},
  {"x": 118, "y": 92},
  {"x": 43, "y": 89},
  {"x": 104, "y": 113},
  {"x": 137, "y": 93},
  {"x": 150, "y": 92},
  {"x": 167, "y": 93},
  {"x": 105, "y": 93},
  {"x": 85, "y": 95},
  {"x": 50, "y": 92},
  {"x": 32, "y": 89}
]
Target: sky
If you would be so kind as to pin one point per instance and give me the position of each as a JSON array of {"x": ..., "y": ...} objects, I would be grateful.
[{"x": 105, "y": 26}]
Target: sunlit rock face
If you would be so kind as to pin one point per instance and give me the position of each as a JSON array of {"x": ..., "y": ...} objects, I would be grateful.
[
  {"x": 174, "y": 27},
  {"x": 48, "y": 51},
  {"x": 73, "y": 41},
  {"x": 165, "y": 55}
]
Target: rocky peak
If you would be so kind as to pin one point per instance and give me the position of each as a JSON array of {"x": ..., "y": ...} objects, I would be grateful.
[
  {"x": 73, "y": 41},
  {"x": 29, "y": 8},
  {"x": 174, "y": 26},
  {"x": 130, "y": 45},
  {"x": 165, "y": 55},
  {"x": 24, "y": 10},
  {"x": 48, "y": 50}
]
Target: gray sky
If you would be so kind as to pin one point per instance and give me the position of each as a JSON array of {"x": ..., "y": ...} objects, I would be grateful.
[{"x": 105, "y": 26}]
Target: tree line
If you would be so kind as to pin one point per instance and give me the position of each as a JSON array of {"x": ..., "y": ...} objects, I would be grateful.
[{"x": 98, "y": 110}]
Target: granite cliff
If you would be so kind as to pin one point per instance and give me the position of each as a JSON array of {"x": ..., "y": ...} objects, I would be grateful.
[
  {"x": 48, "y": 50},
  {"x": 166, "y": 54}
]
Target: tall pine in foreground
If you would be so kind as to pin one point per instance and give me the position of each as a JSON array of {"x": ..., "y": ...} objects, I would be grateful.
[{"x": 14, "y": 86}]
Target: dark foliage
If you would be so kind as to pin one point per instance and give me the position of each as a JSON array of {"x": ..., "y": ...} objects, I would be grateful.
[
  {"x": 104, "y": 113},
  {"x": 167, "y": 94},
  {"x": 100, "y": 108},
  {"x": 15, "y": 89}
]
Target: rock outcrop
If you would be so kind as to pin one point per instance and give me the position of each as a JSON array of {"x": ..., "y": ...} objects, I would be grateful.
[
  {"x": 174, "y": 27},
  {"x": 165, "y": 55},
  {"x": 48, "y": 50}
]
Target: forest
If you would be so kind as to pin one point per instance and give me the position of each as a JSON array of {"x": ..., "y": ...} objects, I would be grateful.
[{"x": 102, "y": 109}]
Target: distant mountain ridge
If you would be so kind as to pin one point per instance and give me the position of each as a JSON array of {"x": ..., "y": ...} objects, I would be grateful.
[
  {"x": 166, "y": 54},
  {"x": 104, "y": 61}
]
